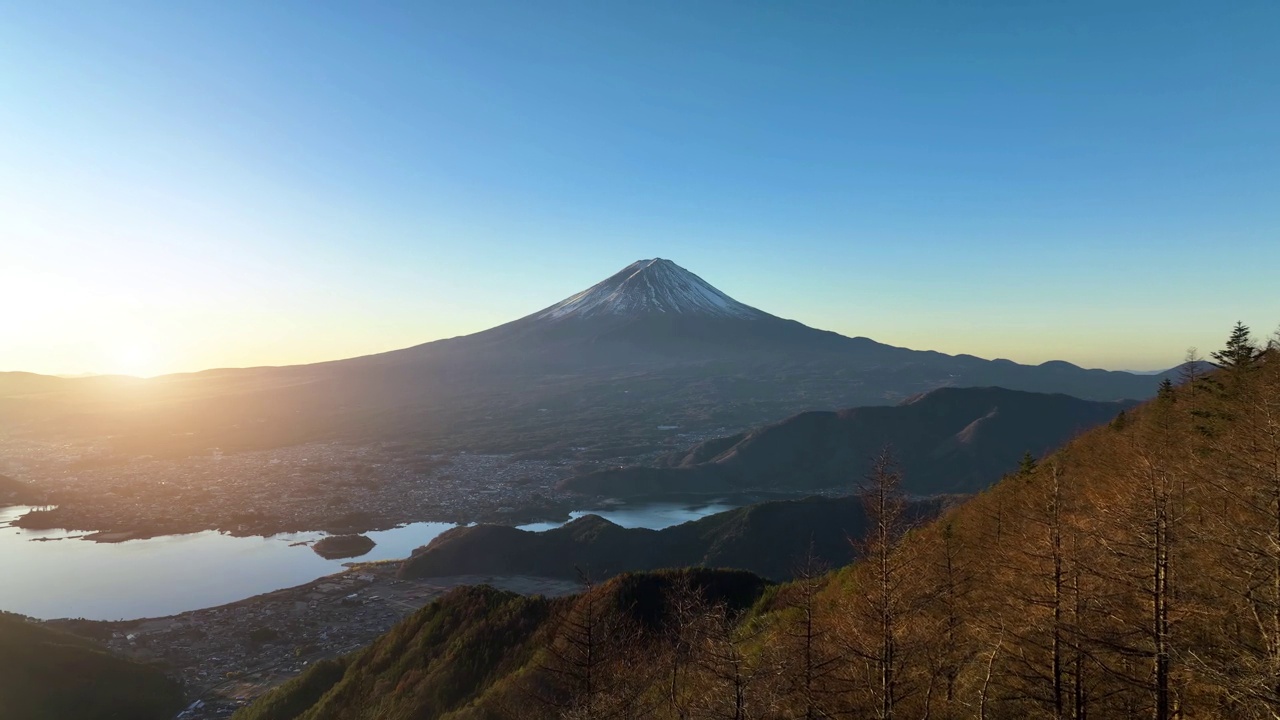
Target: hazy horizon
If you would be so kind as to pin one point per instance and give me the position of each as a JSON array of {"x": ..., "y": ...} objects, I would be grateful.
[
  {"x": 225, "y": 185},
  {"x": 125, "y": 372}
]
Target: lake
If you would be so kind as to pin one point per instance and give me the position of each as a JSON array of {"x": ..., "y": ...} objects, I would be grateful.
[
  {"x": 52, "y": 574},
  {"x": 649, "y": 515}
]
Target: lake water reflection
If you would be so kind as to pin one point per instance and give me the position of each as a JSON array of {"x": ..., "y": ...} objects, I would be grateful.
[
  {"x": 649, "y": 515},
  {"x": 51, "y": 574}
]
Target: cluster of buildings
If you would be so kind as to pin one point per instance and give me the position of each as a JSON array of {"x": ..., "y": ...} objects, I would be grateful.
[
  {"x": 336, "y": 487},
  {"x": 229, "y": 655}
]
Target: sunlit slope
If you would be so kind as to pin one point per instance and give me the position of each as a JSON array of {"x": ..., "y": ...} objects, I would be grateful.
[{"x": 483, "y": 653}]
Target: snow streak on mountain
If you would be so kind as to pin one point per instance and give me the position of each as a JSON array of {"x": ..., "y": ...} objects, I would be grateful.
[{"x": 647, "y": 287}]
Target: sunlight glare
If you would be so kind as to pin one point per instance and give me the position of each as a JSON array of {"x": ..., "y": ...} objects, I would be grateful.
[{"x": 133, "y": 357}]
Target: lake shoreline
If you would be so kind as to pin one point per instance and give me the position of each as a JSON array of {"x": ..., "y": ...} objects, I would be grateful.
[
  {"x": 51, "y": 576},
  {"x": 67, "y": 519}
]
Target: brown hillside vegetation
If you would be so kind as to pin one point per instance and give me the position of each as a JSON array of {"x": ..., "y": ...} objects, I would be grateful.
[{"x": 1134, "y": 573}]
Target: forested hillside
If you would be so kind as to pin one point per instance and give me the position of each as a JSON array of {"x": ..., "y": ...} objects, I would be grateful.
[
  {"x": 480, "y": 652},
  {"x": 49, "y": 674},
  {"x": 1134, "y": 573},
  {"x": 766, "y": 539},
  {"x": 949, "y": 440}
]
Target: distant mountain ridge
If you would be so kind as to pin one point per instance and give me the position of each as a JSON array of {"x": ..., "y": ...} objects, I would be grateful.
[
  {"x": 951, "y": 440},
  {"x": 652, "y": 345}
]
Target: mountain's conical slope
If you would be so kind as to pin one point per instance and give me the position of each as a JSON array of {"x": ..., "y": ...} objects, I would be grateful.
[{"x": 649, "y": 311}]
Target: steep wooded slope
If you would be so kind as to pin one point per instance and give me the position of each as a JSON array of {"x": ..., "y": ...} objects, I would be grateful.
[
  {"x": 768, "y": 539},
  {"x": 483, "y": 653}
]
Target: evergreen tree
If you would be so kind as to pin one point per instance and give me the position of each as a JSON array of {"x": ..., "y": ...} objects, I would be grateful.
[
  {"x": 1027, "y": 465},
  {"x": 1240, "y": 352}
]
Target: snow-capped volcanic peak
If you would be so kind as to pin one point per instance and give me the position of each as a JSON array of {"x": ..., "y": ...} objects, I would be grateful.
[{"x": 650, "y": 286}]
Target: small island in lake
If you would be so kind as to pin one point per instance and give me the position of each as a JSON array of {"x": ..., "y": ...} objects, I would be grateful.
[{"x": 335, "y": 547}]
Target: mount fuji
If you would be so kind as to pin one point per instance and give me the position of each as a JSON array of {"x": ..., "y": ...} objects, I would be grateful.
[
  {"x": 606, "y": 372},
  {"x": 650, "y": 287},
  {"x": 651, "y": 311}
]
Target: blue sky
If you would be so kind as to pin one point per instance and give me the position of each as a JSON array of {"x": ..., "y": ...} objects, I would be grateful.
[{"x": 199, "y": 184}]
